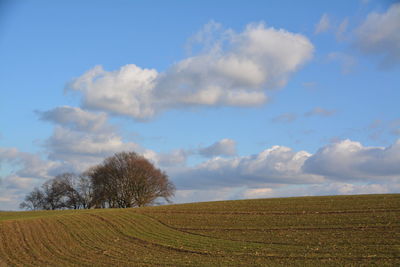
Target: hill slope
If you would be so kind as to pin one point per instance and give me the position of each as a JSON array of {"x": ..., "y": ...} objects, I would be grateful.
[{"x": 339, "y": 230}]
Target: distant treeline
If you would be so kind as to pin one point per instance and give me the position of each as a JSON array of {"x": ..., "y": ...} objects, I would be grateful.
[{"x": 121, "y": 181}]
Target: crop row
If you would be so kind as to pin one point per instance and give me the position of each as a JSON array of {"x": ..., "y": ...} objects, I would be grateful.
[{"x": 206, "y": 235}]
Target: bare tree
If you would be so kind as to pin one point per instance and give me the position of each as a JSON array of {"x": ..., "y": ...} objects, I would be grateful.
[
  {"x": 54, "y": 194},
  {"x": 35, "y": 200},
  {"x": 76, "y": 190},
  {"x": 85, "y": 190},
  {"x": 65, "y": 191},
  {"x": 128, "y": 180},
  {"x": 121, "y": 181}
]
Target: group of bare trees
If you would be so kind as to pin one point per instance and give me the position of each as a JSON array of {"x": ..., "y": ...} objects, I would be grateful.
[
  {"x": 65, "y": 191},
  {"x": 121, "y": 181}
]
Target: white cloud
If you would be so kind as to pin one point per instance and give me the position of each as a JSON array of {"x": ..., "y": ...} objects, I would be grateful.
[
  {"x": 127, "y": 91},
  {"x": 379, "y": 35},
  {"x": 82, "y": 139},
  {"x": 69, "y": 149},
  {"x": 348, "y": 160},
  {"x": 279, "y": 165},
  {"x": 345, "y": 162},
  {"x": 81, "y": 150},
  {"x": 234, "y": 70},
  {"x": 323, "y": 25},
  {"x": 345, "y": 167},
  {"x": 224, "y": 147}
]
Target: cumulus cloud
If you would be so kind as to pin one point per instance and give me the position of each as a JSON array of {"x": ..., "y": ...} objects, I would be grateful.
[
  {"x": 75, "y": 118},
  {"x": 379, "y": 35},
  {"x": 234, "y": 70},
  {"x": 85, "y": 149},
  {"x": 349, "y": 160},
  {"x": 177, "y": 158},
  {"x": 344, "y": 167},
  {"x": 344, "y": 163},
  {"x": 82, "y": 138},
  {"x": 224, "y": 147},
  {"x": 323, "y": 25},
  {"x": 127, "y": 91},
  {"x": 68, "y": 150},
  {"x": 275, "y": 165},
  {"x": 318, "y": 111}
]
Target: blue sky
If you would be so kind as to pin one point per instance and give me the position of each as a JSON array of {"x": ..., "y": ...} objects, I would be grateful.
[{"x": 234, "y": 99}]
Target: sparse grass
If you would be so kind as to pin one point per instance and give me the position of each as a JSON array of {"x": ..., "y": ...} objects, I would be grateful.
[{"x": 308, "y": 231}]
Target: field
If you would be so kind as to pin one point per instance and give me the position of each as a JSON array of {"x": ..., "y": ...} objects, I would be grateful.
[{"x": 359, "y": 230}]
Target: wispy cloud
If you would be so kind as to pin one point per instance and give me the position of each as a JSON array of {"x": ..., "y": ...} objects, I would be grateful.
[
  {"x": 285, "y": 118},
  {"x": 319, "y": 111},
  {"x": 342, "y": 28},
  {"x": 323, "y": 25}
]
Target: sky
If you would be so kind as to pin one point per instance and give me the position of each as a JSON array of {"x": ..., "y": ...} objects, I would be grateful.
[{"x": 232, "y": 99}]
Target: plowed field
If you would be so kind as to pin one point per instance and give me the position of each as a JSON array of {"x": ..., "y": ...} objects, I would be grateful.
[{"x": 309, "y": 231}]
